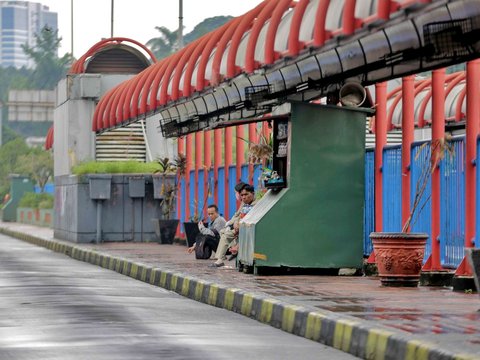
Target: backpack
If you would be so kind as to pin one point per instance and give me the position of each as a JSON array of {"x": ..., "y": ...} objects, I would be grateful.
[
  {"x": 203, "y": 245},
  {"x": 202, "y": 251}
]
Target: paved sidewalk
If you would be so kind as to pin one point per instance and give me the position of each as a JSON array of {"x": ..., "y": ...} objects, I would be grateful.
[{"x": 354, "y": 314}]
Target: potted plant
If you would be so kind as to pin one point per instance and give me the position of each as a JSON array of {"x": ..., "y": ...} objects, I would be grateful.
[
  {"x": 166, "y": 181},
  {"x": 399, "y": 255}
]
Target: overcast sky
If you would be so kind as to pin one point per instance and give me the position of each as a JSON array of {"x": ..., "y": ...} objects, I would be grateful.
[{"x": 134, "y": 19}]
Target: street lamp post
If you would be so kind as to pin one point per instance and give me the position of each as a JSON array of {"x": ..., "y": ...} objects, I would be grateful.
[
  {"x": 180, "y": 24},
  {"x": 111, "y": 17}
]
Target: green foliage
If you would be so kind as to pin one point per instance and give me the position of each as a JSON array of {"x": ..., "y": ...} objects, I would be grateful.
[
  {"x": 49, "y": 68},
  {"x": 17, "y": 158},
  {"x": 8, "y": 134},
  {"x": 9, "y": 155},
  {"x": 163, "y": 45},
  {"x": 36, "y": 201},
  {"x": 38, "y": 165},
  {"x": 13, "y": 78},
  {"x": 205, "y": 27},
  {"x": 115, "y": 167},
  {"x": 166, "y": 43},
  {"x": 170, "y": 188},
  {"x": 30, "y": 128}
]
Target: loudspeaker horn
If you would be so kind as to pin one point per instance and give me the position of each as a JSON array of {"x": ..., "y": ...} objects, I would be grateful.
[{"x": 352, "y": 94}]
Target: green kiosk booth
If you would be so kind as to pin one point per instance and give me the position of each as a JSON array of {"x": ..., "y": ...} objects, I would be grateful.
[{"x": 312, "y": 215}]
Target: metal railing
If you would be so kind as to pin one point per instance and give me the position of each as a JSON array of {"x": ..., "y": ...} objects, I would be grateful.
[
  {"x": 369, "y": 209},
  {"x": 420, "y": 159},
  {"x": 452, "y": 197},
  {"x": 452, "y": 187},
  {"x": 392, "y": 185},
  {"x": 452, "y": 205}
]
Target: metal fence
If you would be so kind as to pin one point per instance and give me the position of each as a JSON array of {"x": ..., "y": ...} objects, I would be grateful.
[
  {"x": 392, "y": 185},
  {"x": 452, "y": 187},
  {"x": 369, "y": 209},
  {"x": 452, "y": 205},
  {"x": 452, "y": 195},
  {"x": 420, "y": 160}
]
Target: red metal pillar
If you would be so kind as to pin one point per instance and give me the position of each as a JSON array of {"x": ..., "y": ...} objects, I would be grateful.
[
  {"x": 252, "y": 138},
  {"x": 438, "y": 134},
  {"x": 198, "y": 164},
  {"x": 408, "y": 126},
  {"x": 188, "y": 167},
  {"x": 180, "y": 150},
  {"x": 239, "y": 155},
  {"x": 207, "y": 164},
  {"x": 472, "y": 130},
  {"x": 217, "y": 160},
  {"x": 380, "y": 141},
  {"x": 227, "y": 163}
]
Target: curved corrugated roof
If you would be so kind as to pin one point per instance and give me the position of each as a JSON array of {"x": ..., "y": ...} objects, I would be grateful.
[
  {"x": 297, "y": 49},
  {"x": 455, "y": 101},
  {"x": 94, "y": 59}
]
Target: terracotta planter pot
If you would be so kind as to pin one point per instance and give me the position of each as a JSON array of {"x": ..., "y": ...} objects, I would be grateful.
[{"x": 399, "y": 257}]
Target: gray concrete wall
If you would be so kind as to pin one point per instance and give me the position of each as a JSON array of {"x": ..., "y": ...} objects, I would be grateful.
[
  {"x": 76, "y": 98},
  {"x": 123, "y": 218}
]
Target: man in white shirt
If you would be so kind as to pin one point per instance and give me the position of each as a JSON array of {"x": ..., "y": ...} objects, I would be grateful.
[{"x": 229, "y": 234}]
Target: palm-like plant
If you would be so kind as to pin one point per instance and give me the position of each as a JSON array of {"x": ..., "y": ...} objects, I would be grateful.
[
  {"x": 164, "y": 45},
  {"x": 169, "y": 188}
]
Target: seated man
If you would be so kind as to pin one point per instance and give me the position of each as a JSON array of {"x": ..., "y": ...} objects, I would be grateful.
[
  {"x": 207, "y": 240},
  {"x": 230, "y": 233}
]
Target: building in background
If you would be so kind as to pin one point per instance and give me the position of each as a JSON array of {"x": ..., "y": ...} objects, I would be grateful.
[
  {"x": 19, "y": 22},
  {"x": 30, "y": 113}
]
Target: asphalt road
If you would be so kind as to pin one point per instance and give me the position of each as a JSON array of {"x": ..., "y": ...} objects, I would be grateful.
[{"x": 54, "y": 307}]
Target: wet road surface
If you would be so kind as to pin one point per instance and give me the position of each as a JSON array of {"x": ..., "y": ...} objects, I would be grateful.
[{"x": 53, "y": 307}]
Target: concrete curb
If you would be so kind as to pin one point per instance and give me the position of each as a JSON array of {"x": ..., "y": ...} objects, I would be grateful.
[{"x": 331, "y": 329}]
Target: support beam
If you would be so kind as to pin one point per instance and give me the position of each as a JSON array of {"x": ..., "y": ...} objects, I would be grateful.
[
  {"x": 207, "y": 164},
  {"x": 195, "y": 205},
  {"x": 408, "y": 126},
  {"x": 472, "y": 131},
  {"x": 189, "y": 156},
  {"x": 252, "y": 138},
  {"x": 227, "y": 163},
  {"x": 380, "y": 142},
  {"x": 239, "y": 156},
  {"x": 180, "y": 150},
  {"x": 438, "y": 134},
  {"x": 217, "y": 160}
]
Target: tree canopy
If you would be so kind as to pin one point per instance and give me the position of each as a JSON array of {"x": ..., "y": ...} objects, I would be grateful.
[
  {"x": 47, "y": 71},
  {"x": 163, "y": 45},
  {"x": 49, "y": 68},
  {"x": 166, "y": 43},
  {"x": 17, "y": 158}
]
